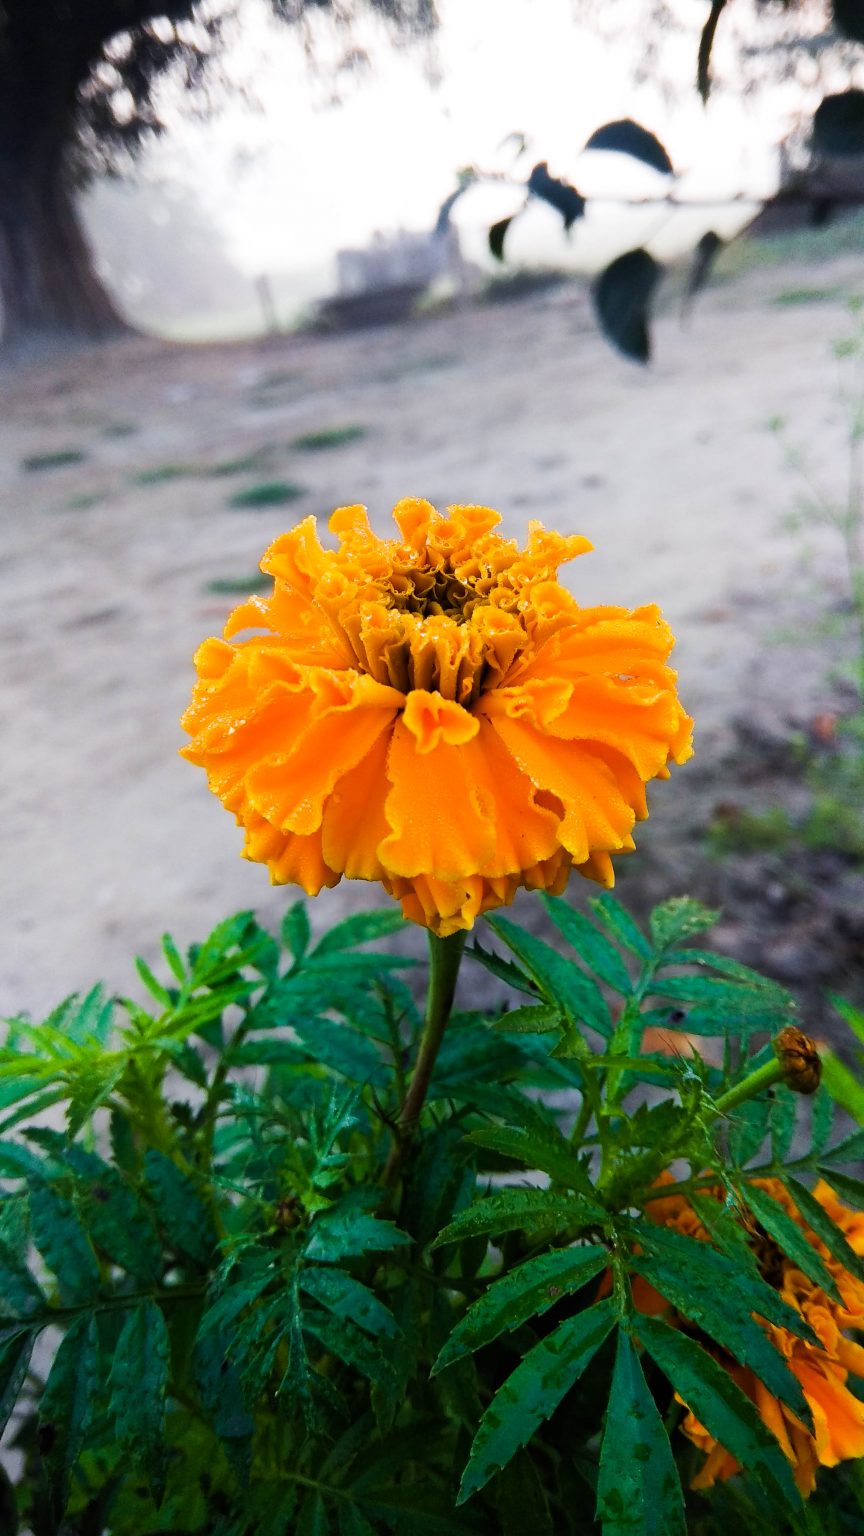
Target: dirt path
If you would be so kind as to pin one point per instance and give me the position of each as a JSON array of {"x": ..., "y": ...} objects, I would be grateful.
[{"x": 108, "y": 836}]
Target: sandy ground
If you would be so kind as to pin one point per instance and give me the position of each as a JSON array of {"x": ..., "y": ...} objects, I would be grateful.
[{"x": 108, "y": 837}]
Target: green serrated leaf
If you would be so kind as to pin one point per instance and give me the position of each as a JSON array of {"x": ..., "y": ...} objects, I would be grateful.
[
  {"x": 748, "y": 1129},
  {"x": 173, "y": 958},
  {"x": 352, "y": 1522},
  {"x": 295, "y": 930},
  {"x": 503, "y": 969},
  {"x": 849, "y": 1150},
  {"x": 471, "y": 1055},
  {"x": 536, "y": 1147},
  {"x": 560, "y": 981},
  {"x": 854, "y": 1017},
  {"x": 592, "y": 946},
  {"x": 347, "y": 1343},
  {"x": 821, "y": 1224},
  {"x": 844, "y": 1184},
  {"x": 527, "y": 1291},
  {"x": 15, "y": 1351},
  {"x": 782, "y": 1120},
  {"x": 734, "y": 969},
  {"x": 844, "y": 1086},
  {"x": 520, "y": 1499},
  {"x": 533, "y": 1391},
  {"x": 518, "y": 1210},
  {"x": 343, "y": 1050},
  {"x": 348, "y": 1298},
  {"x": 681, "y": 917},
  {"x": 720, "y": 1296},
  {"x": 20, "y": 1295},
  {"x": 638, "y": 1489},
  {"x": 182, "y": 1214},
  {"x": 313, "y": 1519},
  {"x": 718, "y": 1403},
  {"x": 789, "y": 1237},
  {"x": 16, "y": 1162},
  {"x": 63, "y": 1243},
  {"x": 532, "y": 1018},
  {"x": 88, "y": 1021},
  {"x": 821, "y": 1120},
  {"x": 361, "y": 928},
  {"x": 138, "y": 1383},
  {"x": 619, "y": 922},
  {"x": 154, "y": 987},
  {"x": 68, "y": 1404},
  {"x": 345, "y": 1230},
  {"x": 218, "y": 1383},
  {"x": 725, "y": 1230},
  {"x": 114, "y": 1217}
]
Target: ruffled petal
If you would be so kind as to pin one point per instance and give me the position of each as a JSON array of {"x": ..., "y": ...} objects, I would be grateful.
[
  {"x": 291, "y": 860},
  {"x": 597, "y": 816},
  {"x": 459, "y": 809},
  {"x": 289, "y": 788},
  {"x": 354, "y": 823}
]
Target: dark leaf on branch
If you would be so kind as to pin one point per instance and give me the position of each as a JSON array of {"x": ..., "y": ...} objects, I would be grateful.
[
  {"x": 496, "y": 236},
  {"x": 849, "y": 18},
  {"x": 638, "y": 1488},
  {"x": 533, "y": 1391},
  {"x": 720, "y": 1405},
  {"x": 622, "y": 297},
  {"x": 706, "y": 43},
  {"x": 838, "y": 126},
  {"x": 558, "y": 194},
  {"x": 704, "y": 257},
  {"x": 628, "y": 138}
]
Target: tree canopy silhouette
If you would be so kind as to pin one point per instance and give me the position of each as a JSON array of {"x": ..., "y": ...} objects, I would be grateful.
[{"x": 76, "y": 85}]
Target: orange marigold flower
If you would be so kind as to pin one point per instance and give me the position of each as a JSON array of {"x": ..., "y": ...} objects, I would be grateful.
[
  {"x": 434, "y": 712},
  {"x": 823, "y": 1370}
]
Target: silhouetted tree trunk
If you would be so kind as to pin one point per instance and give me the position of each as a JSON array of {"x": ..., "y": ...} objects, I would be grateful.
[{"x": 49, "y": 288}]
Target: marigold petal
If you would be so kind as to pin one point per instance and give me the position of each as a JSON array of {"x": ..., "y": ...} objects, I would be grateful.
[
  {"x": 289, "y": 788},
  {"x": 461, "y": 809},
  {"x": 291, "y": 860},
  {"x": 434, "y": 720},
  {"x": 354, "y": 823},
  {"x": 838, "y": 1417},
  {"x": 413, "y": 517},
  {"x": 597, "y": 815}
]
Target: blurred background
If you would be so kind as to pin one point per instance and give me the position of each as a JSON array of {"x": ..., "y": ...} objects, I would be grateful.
[{"x": 260, "y": 258}]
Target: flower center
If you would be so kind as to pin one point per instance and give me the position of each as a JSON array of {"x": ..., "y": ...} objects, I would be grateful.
[
  {"x": 430, "y": 593},
  {"x": 426, "y": 629}
]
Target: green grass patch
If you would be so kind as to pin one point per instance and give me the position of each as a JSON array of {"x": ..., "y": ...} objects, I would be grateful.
[
  {"x": 329, "y": 437},
  {"x": 84, "y": 503},
  {"x": 245, "y": 465},
  {"x": 239, "y": 586},
  {"x": 791, "y": 298},
  {"x": 269, "y": 493},
  {"x": 735, "y": 830},
  {"x": 161, "y": 473},
  {"x": 119, "y": 429},
  {"x": 57, "y": 460}
]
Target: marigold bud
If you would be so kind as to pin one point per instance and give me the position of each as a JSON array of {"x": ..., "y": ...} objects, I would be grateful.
[{"x": 799, "y": 1058}]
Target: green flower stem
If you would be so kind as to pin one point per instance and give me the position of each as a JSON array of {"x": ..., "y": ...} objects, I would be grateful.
[
  {"x": 445, "y": 956},
  {"x": 764, "y": 1077}
]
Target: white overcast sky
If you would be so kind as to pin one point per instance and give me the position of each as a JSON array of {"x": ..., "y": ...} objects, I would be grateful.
[{"x": 296, "y": 176}]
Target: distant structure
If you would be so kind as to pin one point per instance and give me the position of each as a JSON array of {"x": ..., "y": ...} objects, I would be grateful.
[
  {"x": 404, "y": 257},
  {"x": 382, "y": 281}
]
